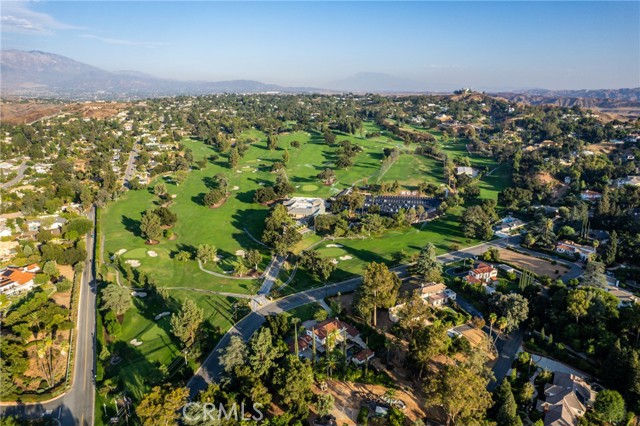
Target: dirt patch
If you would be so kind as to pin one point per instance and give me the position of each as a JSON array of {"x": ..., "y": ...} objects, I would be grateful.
[
  {"x": 219, "y": 203},
  {"x": 28, "y": 112},
  {"x": 348, "y": 397},
  {"x": 537, "y": 266},
  {"x": 66, "y": 271}
]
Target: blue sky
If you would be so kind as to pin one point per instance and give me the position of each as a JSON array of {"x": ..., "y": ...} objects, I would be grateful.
[{"x": 441, "y": 45}]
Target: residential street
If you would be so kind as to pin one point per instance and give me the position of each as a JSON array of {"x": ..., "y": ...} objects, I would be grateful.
[
  {"x": 76, "y": 406},
  {"x": 16, "y": 180}
]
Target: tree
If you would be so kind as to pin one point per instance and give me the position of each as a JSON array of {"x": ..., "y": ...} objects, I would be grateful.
[
  {"x": 179, "y": 177},
  {"x": 213, "y": 197},
  {"x": 609, "y": 406},
  {"x": 578, "y": 303},
  {"x": 234, "y": 158},
  {"x": 115, "y": 298},
  {"x": 161, "y": 406},
  {"x": 461, "y": 393},
  {"x": 293, "y": 381},
  {"x": 413, "y": 314},
  {"x": 379, "y": 289},
  {"x": 160, "y": 190},
  {"x": 206, "y": 253},
  {"x": 328, "y": 176},
  {"x": 280, "y": 232},
  {"x": 186, "y": 324},
  {"x": 285, "y": 156},
  {"x": 507, "y": 411},
  {"x": 151, "y": 226},
  {"x": 319, "y": 266},
  {"x": 476, "y": 223},
  {"x": 253, "y": 258},
  {"x": 611, "y": 251},
  {"x": 594, "y": 275},
  {"x": 167, "y": 217},
  {"x": 427, "y": 265},
  {"x": 428, "y": 343},
  {"x": 513, "y": 307},
  {"x": 272, "y": 142},
  {"x": 50, "y": 268},
  {"x": 324, "y": 404},
  {"x": 263, "y": 352},
  {"x": 234, "y": 355}
]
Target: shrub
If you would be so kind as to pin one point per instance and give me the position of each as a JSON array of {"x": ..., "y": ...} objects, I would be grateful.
[{"x": 64, "y": 285}]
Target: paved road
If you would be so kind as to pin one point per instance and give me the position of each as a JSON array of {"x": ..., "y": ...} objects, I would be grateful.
[
  {"x": 270, "y": 275},
  {"x": 131, "y": 162},
  {"x": 16, "y": 180},
  {"x": 508, "y": 347},
  {"x": 76, "y": 407}
]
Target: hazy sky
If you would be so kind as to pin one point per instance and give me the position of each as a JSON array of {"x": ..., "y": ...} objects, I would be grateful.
[{"x": 443, "y": 45}]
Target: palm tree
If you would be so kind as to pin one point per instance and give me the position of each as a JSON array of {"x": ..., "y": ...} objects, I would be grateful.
[
  {"x": 492, "y": 319},
  {"x": 331, "y": 362}
]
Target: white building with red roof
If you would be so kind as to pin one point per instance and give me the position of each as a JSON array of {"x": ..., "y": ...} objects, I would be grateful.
[
  {"x": 482, "y": 274},
  {"x": 15, "y": 280}
]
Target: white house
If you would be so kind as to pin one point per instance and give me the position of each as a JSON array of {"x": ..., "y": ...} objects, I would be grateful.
[
  {"x": 482, "y": 274},
  {"x": 14, "y": 280},
  {"x": 302, "y": 207},
  {"x": 469, "y": 171},
  {"x": 569, "y": 247}
]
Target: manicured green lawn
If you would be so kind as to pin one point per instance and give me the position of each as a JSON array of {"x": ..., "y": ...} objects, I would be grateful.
[{"x": 409, "y": 170}]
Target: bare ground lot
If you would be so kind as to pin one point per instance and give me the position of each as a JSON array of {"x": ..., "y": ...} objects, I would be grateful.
[
  {"x": 28, "y": 112},
  {"x": 537, "y": 266}
]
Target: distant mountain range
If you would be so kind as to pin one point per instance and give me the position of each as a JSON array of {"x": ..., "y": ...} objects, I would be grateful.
[{"x": 41, "y": 75}]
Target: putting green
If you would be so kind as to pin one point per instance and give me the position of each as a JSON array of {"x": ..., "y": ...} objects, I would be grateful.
[
  {"x": 137, "y": 253},
  {"x": 309, "y": 188}
]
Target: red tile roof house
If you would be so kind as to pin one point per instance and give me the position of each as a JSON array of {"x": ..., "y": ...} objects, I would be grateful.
[
  {"x": 482, "y": 274},
  {"x": 332, "y": 328},
  {"x": 15, "y": 280}
]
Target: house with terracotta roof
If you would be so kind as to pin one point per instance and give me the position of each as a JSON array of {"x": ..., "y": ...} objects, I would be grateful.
[
  {"x": 332, "y": 331},
  {"x": 436, "y": 294},
  {"x": 581, "y": 251},
  {"x": 15, "y": 280},
  {"x": 566, "y": 400},
  {"x": 482, "y": 274}
]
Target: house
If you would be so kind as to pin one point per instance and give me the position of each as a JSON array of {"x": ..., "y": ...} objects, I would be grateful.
[
  {"x": 625, "y": 298},
  {"x": 301, "y": 207},
  {"x": 14, "y": 280},
  {"x": 629, "y": 180},
  {"x": 469, "y": 171},
  {"x": 332, "y": 329},
  {"x": 589, "y": 195},
  {"x": 579, "y": 250},
  {"x": 482, "y": 274},
  {"x": 5, "y": 232},
  {"x": 363, "y": 356},
  {"x": 436, "y": 294},
  {"x": 508, "y": 224},
  {"x": 566, "y": 400}
]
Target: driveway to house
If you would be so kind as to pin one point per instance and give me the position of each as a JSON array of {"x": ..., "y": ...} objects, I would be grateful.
[
  {"x": 555, "y": 366},
  {"x": 508, "y": 347}
]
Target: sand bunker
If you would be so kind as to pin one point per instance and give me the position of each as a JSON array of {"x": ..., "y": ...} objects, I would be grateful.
[
  {"x": 152, "y": 253},
  {"x": 240, "y": 253},
  {"x": 238, "y": 171},
  {"x": 120, "y": 252},
  {"x": 136, "y": 342},
  {"x": 138, "y": 294},
  {"x": 334, "y": 261},
  {"x": 347, "y": 257},
  {"x": 162, "y": 315},
  {"x": 235, "y": 188},
  {"x": 333, "y": 245},
  {"x": 133, "y": 262}
]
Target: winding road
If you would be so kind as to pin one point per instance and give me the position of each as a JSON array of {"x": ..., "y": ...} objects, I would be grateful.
[{"x": 16, "y": 180}]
